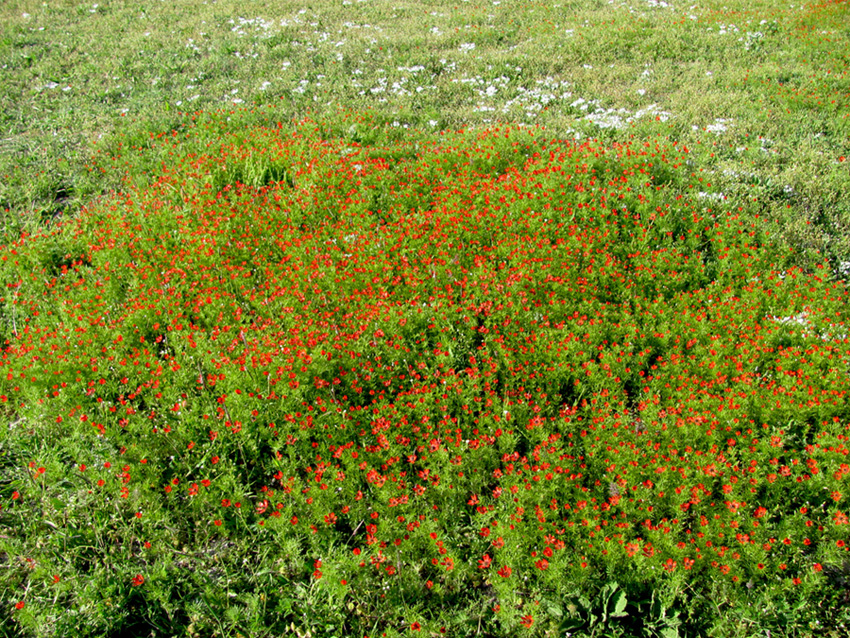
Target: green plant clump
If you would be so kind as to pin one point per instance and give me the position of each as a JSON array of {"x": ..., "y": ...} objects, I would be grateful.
[
  {"x": 475, "y": 382},
  {"x": 377, "y": 319}
]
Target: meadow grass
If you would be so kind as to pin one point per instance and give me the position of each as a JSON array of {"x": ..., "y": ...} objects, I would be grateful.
[
  {"x": 760, "y": 89},
  {"x": 375, "y": 318}
]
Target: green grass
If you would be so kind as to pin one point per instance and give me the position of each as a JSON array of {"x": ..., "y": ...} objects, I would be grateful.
[
  {"x": 249, "y": 240},
  {"x": 121, "y": 70}
]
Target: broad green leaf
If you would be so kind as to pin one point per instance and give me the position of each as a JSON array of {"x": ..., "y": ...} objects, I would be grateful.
[
  {"x": 607, "y": 592},
  {"x": 620, "y": 602},
  {"x": 568, "y": 624},
  {"x": 669, "y": 632}
]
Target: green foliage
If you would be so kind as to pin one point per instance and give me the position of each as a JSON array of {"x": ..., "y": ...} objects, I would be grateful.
[
  {"x": 406, "y": 366},
  {"x": 599, "y": 617},
  {"x": 774, "y": 77},
  {"x": 409, "y": 385}
]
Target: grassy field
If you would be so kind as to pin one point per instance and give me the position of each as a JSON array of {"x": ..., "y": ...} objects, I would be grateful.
[
  {"x": 376, "y": 319},
  {"x": 760, "y": 90}
]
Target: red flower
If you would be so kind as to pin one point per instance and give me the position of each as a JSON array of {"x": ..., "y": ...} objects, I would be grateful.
[
  {"x": 138, "y": 580},
  {"x": 19, "y": 605},
  {"x": 505, "y": 571},
  {"x": 527, "y": 620}
]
